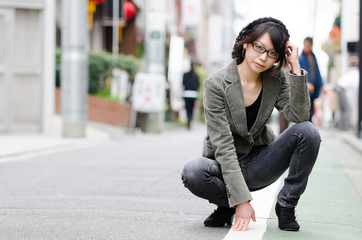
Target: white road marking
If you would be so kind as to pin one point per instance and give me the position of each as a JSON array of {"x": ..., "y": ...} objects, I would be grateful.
[{"x": 263, "y": 202}]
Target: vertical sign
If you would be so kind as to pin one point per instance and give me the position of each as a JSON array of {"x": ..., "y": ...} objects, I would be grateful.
[
  {"x": 119, "y": 85},
  {"x": 175, "y": 72},
  {"x": 215, "y": 40},
  {"x": 191, "y": 11},
  {"x": 149, "y": 93}
]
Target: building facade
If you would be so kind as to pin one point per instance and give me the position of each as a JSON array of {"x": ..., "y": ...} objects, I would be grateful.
[{"x": 26, "y": 65}]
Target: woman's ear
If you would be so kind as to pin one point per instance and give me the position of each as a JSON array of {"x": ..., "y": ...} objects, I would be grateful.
[{"x": 245, "y": 45}]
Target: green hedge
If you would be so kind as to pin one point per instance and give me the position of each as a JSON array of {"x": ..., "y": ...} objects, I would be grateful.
[{"x": 100, "y": 66}]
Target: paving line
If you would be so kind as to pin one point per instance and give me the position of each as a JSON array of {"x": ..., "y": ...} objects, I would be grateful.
[
  {"x": 263, "y": 202},
  {"x": 27, "y": 154}
]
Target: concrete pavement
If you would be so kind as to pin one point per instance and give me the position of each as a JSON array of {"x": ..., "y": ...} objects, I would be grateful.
[
  {"x": 116, "y": 185},
  {"x": 15, "y": 145},
  {"x": 331, "y": 207}
]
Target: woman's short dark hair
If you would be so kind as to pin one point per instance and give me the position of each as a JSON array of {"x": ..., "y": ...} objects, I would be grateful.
[{"x": 278, "y": 34}]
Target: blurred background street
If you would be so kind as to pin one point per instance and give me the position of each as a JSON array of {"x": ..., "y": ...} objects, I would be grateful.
[{"x": 94, "y": 130}]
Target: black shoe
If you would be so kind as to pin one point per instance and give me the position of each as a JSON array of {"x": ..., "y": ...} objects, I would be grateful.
[
  {"x": 219, "y": 217},
  {"x": 286, "y": 218}
]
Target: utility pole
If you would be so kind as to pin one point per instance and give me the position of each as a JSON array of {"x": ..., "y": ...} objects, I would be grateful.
[
  {"x": 155, "y": 40},
  {"x": 115, "y": 33},
  {"x": 74, "y": 68}
]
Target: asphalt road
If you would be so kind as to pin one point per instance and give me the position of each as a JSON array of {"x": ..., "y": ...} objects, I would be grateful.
[{"x": 128, "y": 188}]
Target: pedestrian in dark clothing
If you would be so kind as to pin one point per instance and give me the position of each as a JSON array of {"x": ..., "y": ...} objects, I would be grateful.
[
  {"x": 308, "y": 61},
  {"x": 191, "y": 85},
  {"x": 240, "y": 152}
]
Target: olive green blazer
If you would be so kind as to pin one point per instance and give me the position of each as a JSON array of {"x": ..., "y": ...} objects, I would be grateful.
[{"x": 228, "y": 139}]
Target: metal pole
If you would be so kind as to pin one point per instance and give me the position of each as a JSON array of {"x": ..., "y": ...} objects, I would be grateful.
[
  {"x": 74, "y": 68},
  {"x": 155, "y": 31},
  {"x": 359, "y": 133},
  {"x": 155, "y": 36},
  {"x": 115, "y": 47}
]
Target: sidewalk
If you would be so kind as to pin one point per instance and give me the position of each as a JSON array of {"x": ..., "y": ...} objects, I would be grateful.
[
  {"x": 331, "y": 207},
  {"x": 16, "y": 145},
  {"x": 347, "y": 149}
]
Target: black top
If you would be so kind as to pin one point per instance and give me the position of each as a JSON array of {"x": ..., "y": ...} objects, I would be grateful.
[
  {"x": 252, "y": 111},
  {"x": 191, "y": 81}
]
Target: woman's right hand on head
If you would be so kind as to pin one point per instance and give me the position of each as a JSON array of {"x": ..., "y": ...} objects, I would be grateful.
[
  {"x": 243, "y": 213},
  {"x": 292, "y": 57}
]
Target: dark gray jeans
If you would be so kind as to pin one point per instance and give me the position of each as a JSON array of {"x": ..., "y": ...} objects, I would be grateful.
[{"x": 296, "y": 148}]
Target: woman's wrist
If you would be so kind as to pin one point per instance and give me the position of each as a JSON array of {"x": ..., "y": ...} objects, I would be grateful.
[{"x": 296, "y": 69}]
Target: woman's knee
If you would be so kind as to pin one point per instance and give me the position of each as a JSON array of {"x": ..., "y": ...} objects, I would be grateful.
[
  {"x": 202, "y": 176},
  {"x": 189, "y": 172},
  {"x": 197, "y": 169},
  {"x": 309, "y": 131}
]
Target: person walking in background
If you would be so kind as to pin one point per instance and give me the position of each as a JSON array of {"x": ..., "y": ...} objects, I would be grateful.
[
  {"x": 347, "y": 90},
  {"x": 240, "y": 152},
  {"x": 308, "y": 61},
  {"x": 191, "y": 85}
]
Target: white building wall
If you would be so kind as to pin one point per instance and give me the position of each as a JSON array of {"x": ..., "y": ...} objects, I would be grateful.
[
  {"x": 27, "y": 4},
  {"x": 349, "y": 28},
  {"x": 27, "y": 75}
]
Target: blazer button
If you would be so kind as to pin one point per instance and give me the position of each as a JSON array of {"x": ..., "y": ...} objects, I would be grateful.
[{"x": 251, "y": 142}]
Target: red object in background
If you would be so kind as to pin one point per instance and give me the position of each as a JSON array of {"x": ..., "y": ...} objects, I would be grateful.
[
  {"x": 97, "y": 1},
  {"x": 129, "y": 10}
]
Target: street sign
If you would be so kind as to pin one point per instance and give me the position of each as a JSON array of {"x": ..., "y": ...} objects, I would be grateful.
[
  {"x": 175, "y": 72},
  {"x": 119, "y": 85},
  {"x": 149, "y": 92}
]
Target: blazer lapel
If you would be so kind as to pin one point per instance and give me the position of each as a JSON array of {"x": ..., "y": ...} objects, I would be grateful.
[
  {"x": 271, "y": 86},
  {"x": 235, "y": 99}
]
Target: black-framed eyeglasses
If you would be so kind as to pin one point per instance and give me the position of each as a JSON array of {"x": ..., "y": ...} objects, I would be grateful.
[{"x": 260, "y": 49}]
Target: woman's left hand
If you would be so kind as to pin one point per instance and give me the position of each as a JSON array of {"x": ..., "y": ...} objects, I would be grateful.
[{"x": 292, "y": 57}]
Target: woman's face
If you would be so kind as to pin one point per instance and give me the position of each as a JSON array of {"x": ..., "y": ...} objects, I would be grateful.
[{"x": 259, "y": 62}]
